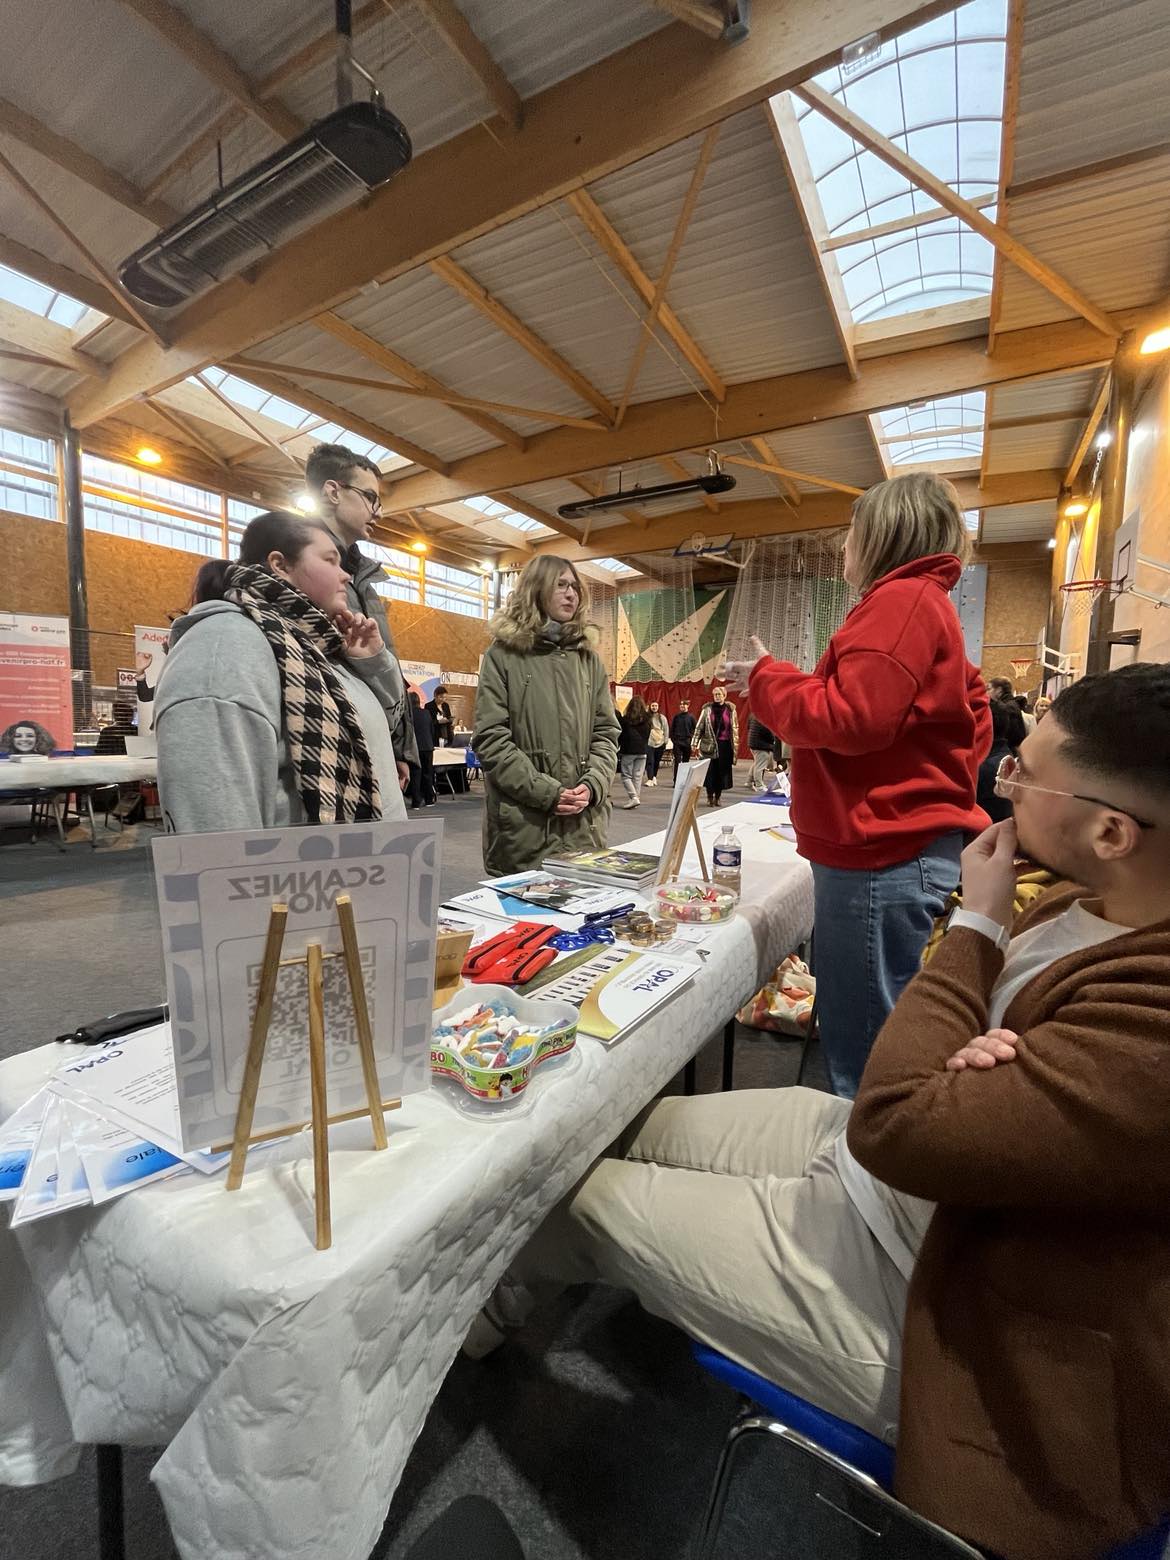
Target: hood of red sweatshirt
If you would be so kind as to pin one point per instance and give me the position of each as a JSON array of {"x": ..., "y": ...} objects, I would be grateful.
[{"x": 943, "y": 569}]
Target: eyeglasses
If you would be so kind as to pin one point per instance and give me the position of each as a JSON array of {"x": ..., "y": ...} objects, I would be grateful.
[
  {"x": 1006, "y": 782},
  {"x": 373, "y": 499}
]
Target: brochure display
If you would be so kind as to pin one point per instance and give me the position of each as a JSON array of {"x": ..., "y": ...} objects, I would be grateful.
[
  {"x": 300, "y": 970},
  {"x": 681, "y": 821}
]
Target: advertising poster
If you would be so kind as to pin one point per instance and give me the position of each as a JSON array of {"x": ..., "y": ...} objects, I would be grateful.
[
  {"x": 422, "y": 677},
  {"x": 36, "y": 690},
  {"x": 150, "y": 648},
  {"x": 215, "y": 892}
]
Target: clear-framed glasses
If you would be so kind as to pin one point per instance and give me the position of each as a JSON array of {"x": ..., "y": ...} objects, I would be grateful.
[
  {"x": 373, "y": 499},
  {"x": 1007, "y": 780}
]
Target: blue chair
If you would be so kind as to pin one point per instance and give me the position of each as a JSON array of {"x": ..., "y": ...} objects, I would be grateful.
[
  {"x": 472, "y": 763},
  {"x": 855, "y": 1468}
]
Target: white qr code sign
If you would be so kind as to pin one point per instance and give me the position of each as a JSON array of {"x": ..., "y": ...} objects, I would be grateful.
[{"x": 215, "y": 892}]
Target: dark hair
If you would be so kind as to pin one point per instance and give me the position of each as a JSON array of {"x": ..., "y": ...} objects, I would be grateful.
[
  {"x": 635, "y": 711},
  {"x": 274, "y": 531},
  {"x": 1007, "y": 724},
  {"x": 1117, "y": 724},
  {"x": 415, "y": 701},
  {"x": 333, "y": 463},
  {"x": 45, "y": 740},
  {"x": 1001, "y": 685}
]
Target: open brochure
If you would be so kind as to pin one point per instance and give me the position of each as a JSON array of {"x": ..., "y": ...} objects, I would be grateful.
[{"x": 618, "y": 989}]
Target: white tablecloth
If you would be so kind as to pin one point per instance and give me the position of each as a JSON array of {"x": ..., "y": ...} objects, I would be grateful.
[
  {"x": 444, "y": 757},
  {"x": 62, "y": 774},
  {"x": 289, "y": 1385}
]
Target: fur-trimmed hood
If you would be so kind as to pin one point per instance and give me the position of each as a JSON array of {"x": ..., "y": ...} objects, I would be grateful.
[{"x": 506, "y": 631}]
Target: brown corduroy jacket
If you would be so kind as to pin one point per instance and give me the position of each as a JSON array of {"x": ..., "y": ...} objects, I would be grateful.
[{"x": 1035, "y": 1416}]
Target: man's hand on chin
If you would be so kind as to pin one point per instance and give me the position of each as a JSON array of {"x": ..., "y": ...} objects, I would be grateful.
[{"x": 989, "y": 873}]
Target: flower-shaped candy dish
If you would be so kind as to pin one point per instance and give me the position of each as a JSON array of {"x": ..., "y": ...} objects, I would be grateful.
[{"x": 491, "y": 1041}]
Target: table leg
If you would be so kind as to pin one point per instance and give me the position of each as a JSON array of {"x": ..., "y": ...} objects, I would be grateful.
[
  {"x": 111, "y": 1511},
  {"x": 728, "y": 1054}
]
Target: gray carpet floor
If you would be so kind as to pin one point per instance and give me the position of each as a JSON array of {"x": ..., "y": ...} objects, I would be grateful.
[{"x": 592, "y": 1430}]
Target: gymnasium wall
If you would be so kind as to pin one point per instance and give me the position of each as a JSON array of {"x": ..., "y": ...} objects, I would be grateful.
[
  {"x": 137, "y": 582},
  {"x": 1146, "y": 523}
]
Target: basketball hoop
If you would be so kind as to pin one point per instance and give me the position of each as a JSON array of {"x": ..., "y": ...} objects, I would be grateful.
[
  {"x": 1019, "y": 665},
  {"x": 1081, "y": 595}
]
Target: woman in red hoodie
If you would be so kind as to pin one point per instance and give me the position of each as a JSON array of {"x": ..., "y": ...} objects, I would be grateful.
[{"x": 887, "y": 735}]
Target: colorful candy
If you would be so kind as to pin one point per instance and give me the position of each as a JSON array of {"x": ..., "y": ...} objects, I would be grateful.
[{"x": 695, "y": 901}]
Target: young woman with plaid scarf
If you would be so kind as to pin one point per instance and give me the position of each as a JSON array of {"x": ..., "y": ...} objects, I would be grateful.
[{"x": 266, "y": 712}]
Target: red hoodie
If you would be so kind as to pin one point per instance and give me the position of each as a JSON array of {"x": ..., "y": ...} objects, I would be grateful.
[{"x": 888, "y": 733}]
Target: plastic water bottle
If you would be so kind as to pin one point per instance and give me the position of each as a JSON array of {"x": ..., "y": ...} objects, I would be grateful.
[{"x": 727, "y": 859}]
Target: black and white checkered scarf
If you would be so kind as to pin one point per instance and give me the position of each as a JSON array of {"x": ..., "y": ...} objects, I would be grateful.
[{"x": 326, "y": 744}]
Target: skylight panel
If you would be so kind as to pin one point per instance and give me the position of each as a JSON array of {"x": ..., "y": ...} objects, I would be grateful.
[
  {"x": 945, "y": 431},
  {"x": 936, "y": 92},
  {"x": 38, "y": 299},
  {"x": 290, "y": 415},
  {"x": 613, "y": 566}
]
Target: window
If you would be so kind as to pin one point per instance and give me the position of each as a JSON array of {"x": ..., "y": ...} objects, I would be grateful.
[
  {"x": 494, "y": 510},
  {"x": 613, "y": 566},
  {"x": 455, "y": 590},
  {"x": 28, "y": 475},
  {"x": 253, "y": 399},
  {"x": 126, "y": 501},
  {"x": 404, "y": 575},
  {"x": 239, "y": 513},
  {"x": 39, "y": 299},
  {"x": 945, "y": 431},
  {"x": 937, "y": 93}
]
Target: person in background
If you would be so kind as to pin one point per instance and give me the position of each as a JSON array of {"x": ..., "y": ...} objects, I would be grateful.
[
  {"x": 887, "y": 736},
  {"x": 441, "y": 719},
  {"x": 656, "y": 746},
  {"x": 762, "y": 744},
  {"x": 25, "y": 737},
  {"x": 633, "y": 742},
  {"x": 1042, "y": 706},
  {"x": 682, "y": 731},
  {"x": 347, "y": 490},
  {"x": 1000, "y": 689},
  {"x": 717, "y": 738},
  {"x": 265, "y": 712},
  {"x": 545, "y": 727},
  {"x": 112, "y": 738},
  {"x": 422, "y": 774},
  {"x": 1003, "y": 744}
]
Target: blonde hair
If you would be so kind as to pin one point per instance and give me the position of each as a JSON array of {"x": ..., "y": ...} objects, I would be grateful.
[
  {"x": 526, "y": 609},
  {"x": 909, "y": 517}
]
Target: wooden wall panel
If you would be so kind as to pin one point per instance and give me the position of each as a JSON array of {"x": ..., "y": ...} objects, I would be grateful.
[{"x": 1018, "y": 583}]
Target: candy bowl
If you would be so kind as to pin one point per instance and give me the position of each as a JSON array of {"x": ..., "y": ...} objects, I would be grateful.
[
  {"x": 692, "y": 900},
  {"x": 491, "y": 1041}
]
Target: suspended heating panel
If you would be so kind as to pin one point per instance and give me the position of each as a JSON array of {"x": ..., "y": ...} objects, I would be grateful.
[{"x": 330, "y": 166}]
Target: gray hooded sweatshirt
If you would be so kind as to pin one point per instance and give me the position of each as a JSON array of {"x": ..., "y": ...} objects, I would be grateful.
[{"x": 223, "y": 760}]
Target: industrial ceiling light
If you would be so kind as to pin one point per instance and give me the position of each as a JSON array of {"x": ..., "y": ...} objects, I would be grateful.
[
  {"x": 1104, "y": 439},
  {"x": 1051, "y": 544},
  {"x": 329, "y": 166},
  {"x": 1156, "y": 341},
  {"x": 1075, "y": 508},
  {"x": 148, "y": 457},
  {"x": 305, "y": 503},
  {"x": 713, "y": 480},
  {"x": 418, "y": 547}
]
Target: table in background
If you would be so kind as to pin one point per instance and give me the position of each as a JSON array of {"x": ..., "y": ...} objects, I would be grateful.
[
  {"x": 82, "y": 773},
  {"x": 289, "y": 1385}
]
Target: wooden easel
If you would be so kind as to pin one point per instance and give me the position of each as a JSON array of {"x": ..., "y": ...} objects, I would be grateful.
[
  {"x": 314, "y": 958},
  {"x": 685, "y": 823}
]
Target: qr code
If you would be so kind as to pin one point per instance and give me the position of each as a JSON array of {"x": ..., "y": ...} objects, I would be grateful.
[{"x": 286, "y": 1054}]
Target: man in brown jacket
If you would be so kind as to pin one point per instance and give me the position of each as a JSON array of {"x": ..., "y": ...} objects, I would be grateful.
[{"x": 1002, "y": 1190}]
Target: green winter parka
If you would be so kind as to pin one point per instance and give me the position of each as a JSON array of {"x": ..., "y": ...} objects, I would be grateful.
[{"x": 544, "y": 722}]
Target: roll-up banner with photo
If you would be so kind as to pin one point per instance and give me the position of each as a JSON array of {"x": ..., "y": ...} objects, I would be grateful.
[
  {"x": 36, "y": 690},
  {"x": 150, "y": 649}
]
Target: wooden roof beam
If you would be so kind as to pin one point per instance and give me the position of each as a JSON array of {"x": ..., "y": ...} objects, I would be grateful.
[
  {"x": 541, "y": 516},
  {"x": 82, "y": 165},
  {"x": 467, "y": 287},
  {"x": 695, "y": 14},
  {"x": 578, "y": 130},
  {"x": 385, "y": 357},
  {"x": 683, "y": 422},
  {"x": 767, "y": 454},
  {"x": 277, "y": 385},
  {"x": 595, "y": 221},
  {"x": 45, "y": 339},
  {"x": 321, "y": 48},
  {"x": 1100, "y": 407},
  {"x": 799, "y": 175},
  {"x": 794, "y": 476},
  {"x": 177, "y": 29},
  {"x": 51, "y": 273},
  {"x": 921, "y": 177},
  {"x": 456, "y": 32},
  {"x": 1007, "y": 154},
  {"x": 915, "y": 219}
]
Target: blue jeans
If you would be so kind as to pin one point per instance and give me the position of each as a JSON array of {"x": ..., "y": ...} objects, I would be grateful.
[{"x": 870, "y": 928}]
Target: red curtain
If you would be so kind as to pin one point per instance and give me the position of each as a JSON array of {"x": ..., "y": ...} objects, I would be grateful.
[{"x": 668, "y": 696}]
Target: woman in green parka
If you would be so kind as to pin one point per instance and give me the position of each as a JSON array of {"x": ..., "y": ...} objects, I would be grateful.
[{"x": 545, "y": 728}]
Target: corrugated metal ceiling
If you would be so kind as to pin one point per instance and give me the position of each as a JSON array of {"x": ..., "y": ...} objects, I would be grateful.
[{"x": 1019, "y": 523}]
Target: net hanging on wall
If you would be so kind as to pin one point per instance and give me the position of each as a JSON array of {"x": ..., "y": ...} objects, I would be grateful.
[
  {"x": 793, "y": 596},
  {"x": 602, "y": 614}
]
